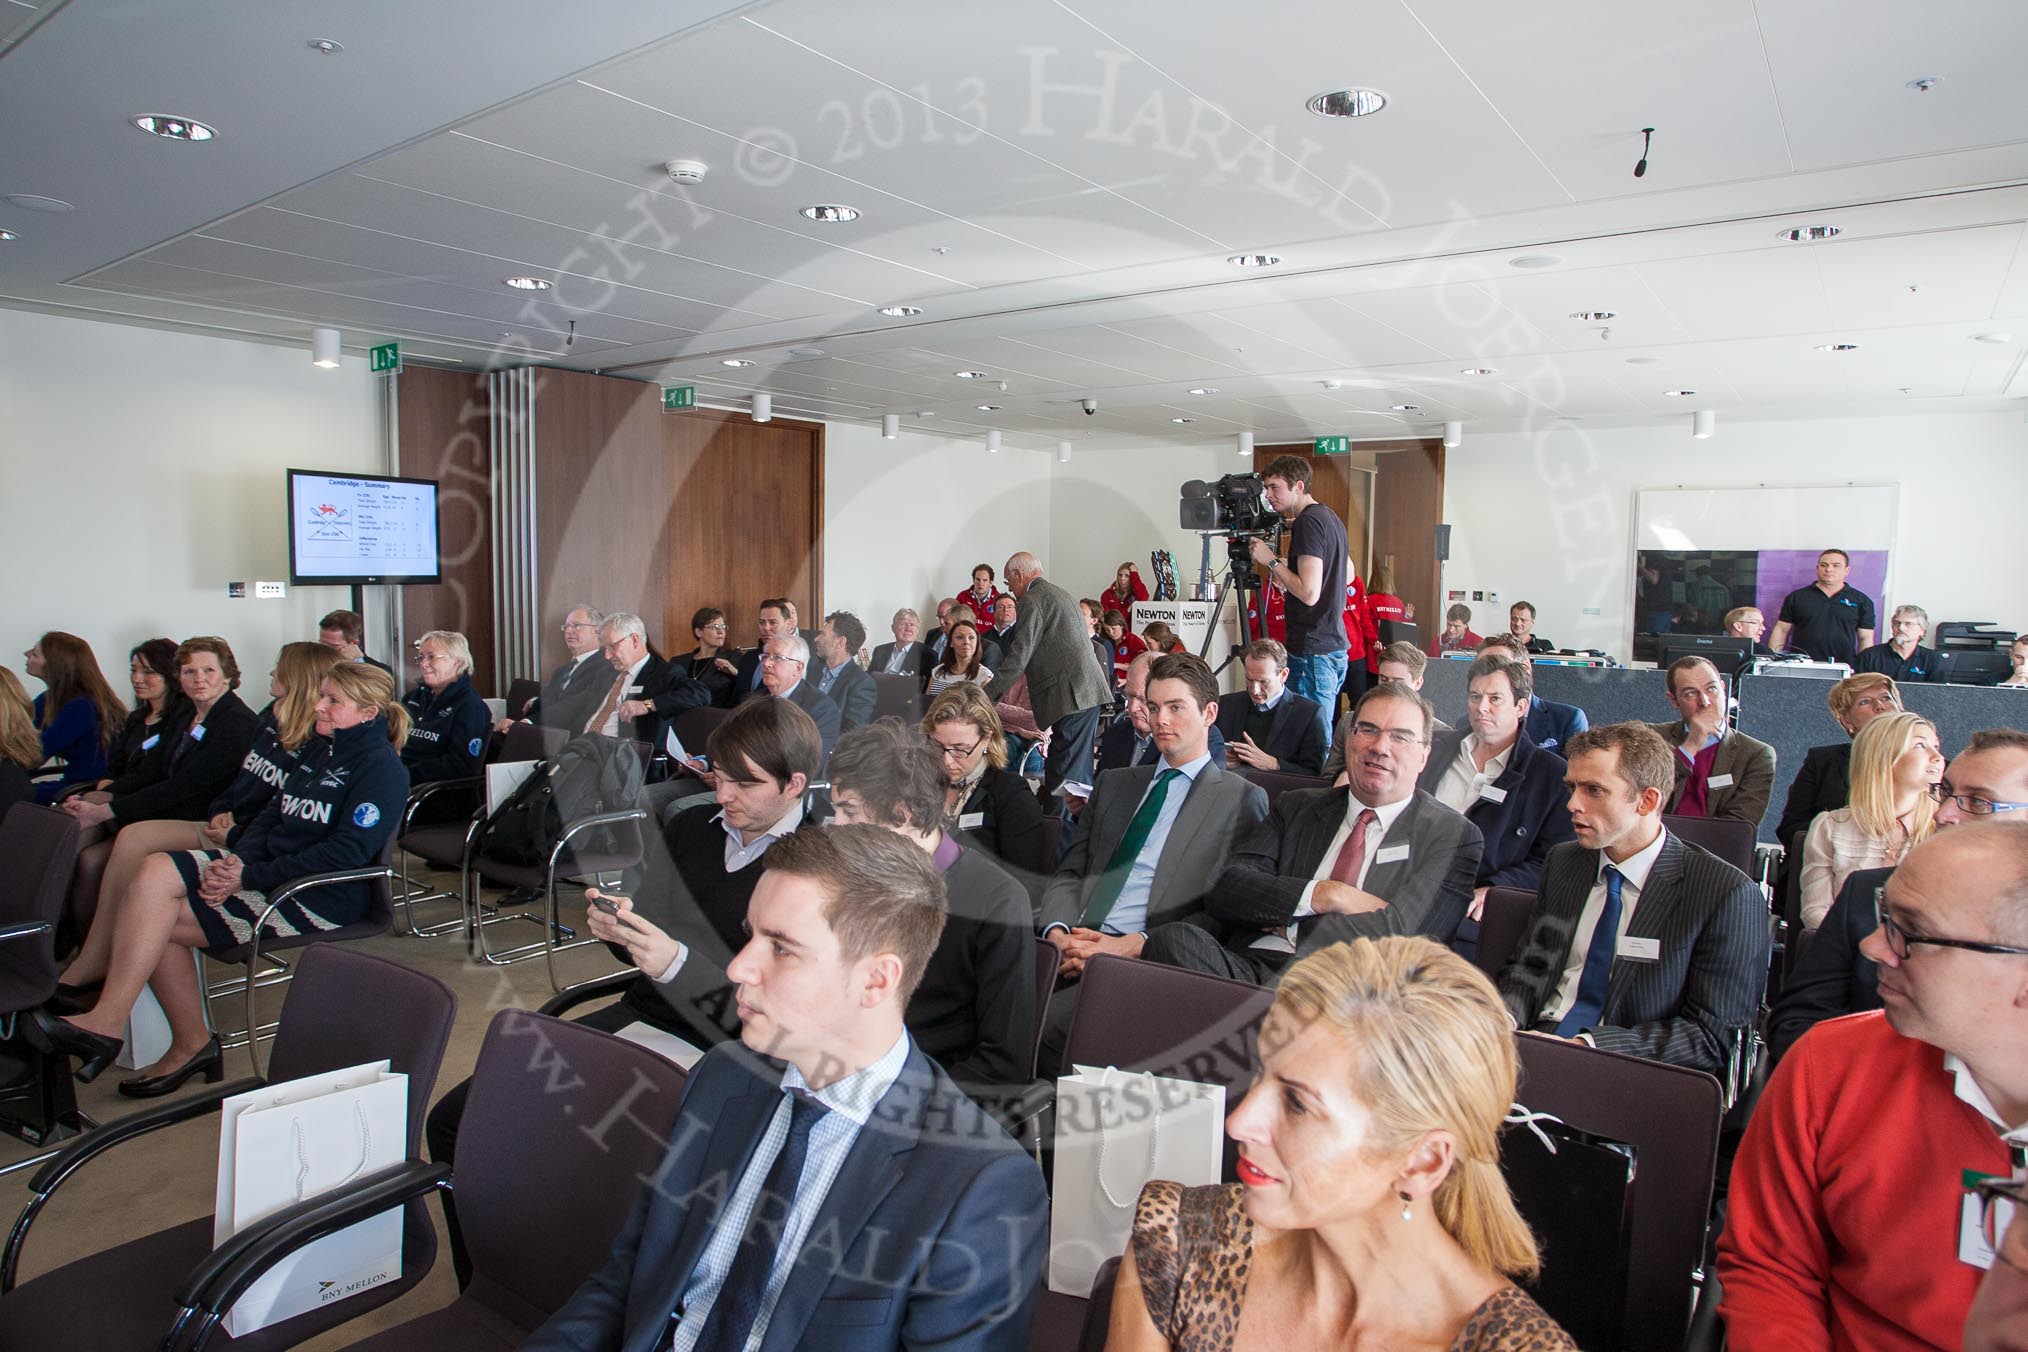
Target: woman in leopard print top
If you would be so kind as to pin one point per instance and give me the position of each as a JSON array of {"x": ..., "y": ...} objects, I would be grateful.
[{"x": 1370, "y": 1211}]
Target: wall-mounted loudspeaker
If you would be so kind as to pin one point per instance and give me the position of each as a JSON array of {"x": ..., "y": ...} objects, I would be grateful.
[{"x": 1443, "y": 543}]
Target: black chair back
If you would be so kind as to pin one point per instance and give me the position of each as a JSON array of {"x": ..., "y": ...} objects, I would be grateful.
[
  {"x": 1729, "y": 840},
  {"x": 1047, "y": 960},
  {"x": 897, "y": 696},
  {"x": 531, "y": 741},
  {"x": 693, "y": 727},
  {"x": 1098, "y": 1311},
  {"x": 1501, "y": 925},
  {"x": 38, "y": 850},
  {"x": 1277, "y": 782},
  {"x": 518, "y": 695}
]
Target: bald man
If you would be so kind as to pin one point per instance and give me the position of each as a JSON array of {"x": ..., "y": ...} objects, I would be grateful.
[{"x": 1066, "y": 685}]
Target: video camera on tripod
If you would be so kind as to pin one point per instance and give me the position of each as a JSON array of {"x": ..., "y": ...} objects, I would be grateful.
[{"x": 1236, "y": 505}]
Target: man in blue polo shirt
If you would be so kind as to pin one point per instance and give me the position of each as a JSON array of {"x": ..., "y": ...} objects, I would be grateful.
[{"x": 1826, "y": 620}]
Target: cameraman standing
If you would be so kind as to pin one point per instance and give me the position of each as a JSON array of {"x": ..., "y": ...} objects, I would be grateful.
[{"x": 1314, "y": 579}]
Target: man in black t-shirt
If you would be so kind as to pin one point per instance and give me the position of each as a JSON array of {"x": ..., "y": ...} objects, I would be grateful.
[
  {"x": 1314, "y": 580},
  {"x": 1826, "y": 620}
]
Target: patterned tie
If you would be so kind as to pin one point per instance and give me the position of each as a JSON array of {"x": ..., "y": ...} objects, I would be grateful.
[
  {"x": 746, "y": 1281},
  {"x": 1598, "y": 962},
  {"x": 1345, "y": 869},
  {"x": 1114, "y": 880},
  {"x": 610, "y": 707}
]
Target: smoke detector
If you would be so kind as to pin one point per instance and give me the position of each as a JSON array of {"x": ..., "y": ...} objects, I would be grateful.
[{"x": 688, "y": 171}]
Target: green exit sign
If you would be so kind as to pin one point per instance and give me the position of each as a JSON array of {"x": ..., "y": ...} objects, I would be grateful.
[
  {"x": 678, "y": 396},
  {"x": 1334, "y": 445},
  {"x": 385, "y": 357}
]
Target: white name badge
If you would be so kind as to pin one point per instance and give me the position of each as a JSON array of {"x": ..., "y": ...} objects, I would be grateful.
[
  {"x": 197, "y": 732},
  {"x": 1391, "y": 854},
  {"x": 971, "y": 821},
  {"x": 1640, "y": 950},
  {"x": 635, "y": 690},
  {"x": 1492, "y": 794},
  {"x": 149, "y": 745},
  {"x": 1718, "y": 782},
  {"x": 1972, "y": 1246}
]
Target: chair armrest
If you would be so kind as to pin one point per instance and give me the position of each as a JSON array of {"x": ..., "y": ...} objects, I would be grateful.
[
  {"x": 586, "y": 991},
  {"x": 421, "y": 793},
  {"x": 288, "y": 891},
  {"x": 636, "y": 815},
  {"x": 27, "y": 929},
  {"x": 225, "y": 1274},
  {"x": 80, "y": 1151}
]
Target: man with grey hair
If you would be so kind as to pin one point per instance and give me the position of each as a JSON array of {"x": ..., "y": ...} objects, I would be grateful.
[
  {"x": 904, "y": 656},
  {"x": 646, "y": 691},
  {"x": 1903, "y": 657},
  {"x": 1066, "y": 685},
  {"x": 1852, "y": 1219},
  {"x": 574, "y": 689},
  {"x": 784, "y": 660}
]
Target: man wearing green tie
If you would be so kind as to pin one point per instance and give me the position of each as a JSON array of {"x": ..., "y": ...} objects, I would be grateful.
[{"x": 1150, "y": 840}]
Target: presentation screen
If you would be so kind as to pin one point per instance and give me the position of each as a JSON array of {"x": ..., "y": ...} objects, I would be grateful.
[{"x": 359, "y": 528}]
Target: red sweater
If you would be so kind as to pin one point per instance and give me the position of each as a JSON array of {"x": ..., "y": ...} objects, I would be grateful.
[{"x": 1842, "y": 1231}]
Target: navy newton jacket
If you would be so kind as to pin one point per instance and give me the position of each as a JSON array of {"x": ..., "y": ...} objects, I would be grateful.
[
  {"x": 334, "y": 811},
  {"x": 448, "y": 736}
]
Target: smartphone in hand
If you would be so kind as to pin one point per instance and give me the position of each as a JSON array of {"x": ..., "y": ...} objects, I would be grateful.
[{"x": 608, "y": 902}]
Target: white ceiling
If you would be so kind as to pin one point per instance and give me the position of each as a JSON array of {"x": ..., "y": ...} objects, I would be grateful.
[{"x": 1057, "y": 186}]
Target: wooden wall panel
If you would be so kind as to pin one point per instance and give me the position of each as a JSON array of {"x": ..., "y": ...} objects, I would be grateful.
[
  {"x": 444, "y": 436},
  {"x": 1408, "y": 504}
]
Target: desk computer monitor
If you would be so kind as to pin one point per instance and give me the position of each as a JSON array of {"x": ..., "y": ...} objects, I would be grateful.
[
  {"x": 1399, "y": 631},
  {"x": 1729, "y": 655},
  {"x": 1971, "y": 666}
]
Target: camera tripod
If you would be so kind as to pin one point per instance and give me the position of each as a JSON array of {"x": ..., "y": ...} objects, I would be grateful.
[{"x": 1239, "y": 577}]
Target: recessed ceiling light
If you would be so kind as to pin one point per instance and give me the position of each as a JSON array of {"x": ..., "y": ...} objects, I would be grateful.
[
  {"x": 173, "y": 127},
  {"x": 735, "y": 361},
  {"x": 29, "y": 201},
  {"x": 1837, "y": 347},
  {"x": 1679, "y": 394},
  {"x": 1809, "y": 234},
  {"x": 1994, "y": 338},
  {"x": 1254, "y": 260},
  {"x": 831, "y": 213},
  {"x": 1595, "y": 314},
  {"x": 1406, "y": 408},
  {"x": 1182, "y": 420},
  {"x": 987, "y": 408},
  {"x": 969, "y": 375},
  {"x": 900, "y": 311},
  {"x": 1354, "y": 102},
  {"x": 1480, "y": 371},
  {"x": 806, "y": 352},
  {"x": 1644, "y": 361},
  {"x": 1922, "y": 84},
  {"x": 528, "y": 283},
  {"x": 6, "y": 235},
  {"x": 1534, "y": 261},
  {"x": 1204, "y": 389},
  {"x": 326, "y": 46}
]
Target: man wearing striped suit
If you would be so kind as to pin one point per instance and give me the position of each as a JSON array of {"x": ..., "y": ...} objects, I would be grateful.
[{"x": 1640, "y": 942}]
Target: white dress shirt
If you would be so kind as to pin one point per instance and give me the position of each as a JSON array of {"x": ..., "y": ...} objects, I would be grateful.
[
  {"x": 611, "y": 727},
  {"x": 739, "y": 853},
  {"x": 1463, "y": 781},
  {"x": 1385, "y": 815},
  {"x": 1634, "y": 876}
]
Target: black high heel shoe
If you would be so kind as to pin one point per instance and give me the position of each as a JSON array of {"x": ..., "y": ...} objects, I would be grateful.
[
  {"x": 211, "y": 1061},
  {"x": 94, "y": 1051},
  {"x": 75, "y": 999}
]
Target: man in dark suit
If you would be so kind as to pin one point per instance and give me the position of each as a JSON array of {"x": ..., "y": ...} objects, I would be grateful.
[
  {"x": 839, "y": 674},
  {"x": 1550, "y": 725},
  {"x": 783, "y": 662},
  {"x": 646, "y": 691},
  {"x": 1327, "y": 865},
  {"x": 1130, "y": 738},
  {"x": 1006, "y": 619},
  {"x": 1141, "y": 857},
  {"x": 1066, "y": 687},
  {"x": 904, "y": 656},
  {"x": 827, "y": 1184},
  {"x": 1639, "y": 942},
  {"x": 574, "y": 689},
  {"x": 775, "y": 616},
  {"x": 1720, "y": 771},
  {"x": 1268, "y": 726},
  {"x": 1504, "y": 784}
]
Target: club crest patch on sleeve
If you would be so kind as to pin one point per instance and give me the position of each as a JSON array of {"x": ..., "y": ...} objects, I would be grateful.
[
  {"x": 474, "y": 745},
  {"x": 365, "y": 815}
]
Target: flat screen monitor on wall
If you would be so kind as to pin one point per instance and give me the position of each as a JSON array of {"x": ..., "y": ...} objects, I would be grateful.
[{"x": 347, "y": 529}]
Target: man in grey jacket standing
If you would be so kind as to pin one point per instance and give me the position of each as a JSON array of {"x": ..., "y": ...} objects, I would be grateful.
[{"x": 1066, "y": 686}]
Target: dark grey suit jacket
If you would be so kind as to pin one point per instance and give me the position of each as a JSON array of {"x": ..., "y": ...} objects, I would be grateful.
[
  {"x": 1052, "y": 647},
  {"x": 911, "y": 661},
  {"x": 1426, "y": 891},
  {"x": 1749, "y": 761},
  {"x": 853, "y": 692},
  {"x": 1220, "y": 808},
  {"x": 1686, "y": 1006},
  {"x": 1295, "y": 733}
]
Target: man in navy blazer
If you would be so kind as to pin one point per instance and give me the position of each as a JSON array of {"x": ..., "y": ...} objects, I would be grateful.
[
  {"x": 785, "y": 664},
  {"x": 1550, "y": 725},
  {"x": 826, "y": 1184},
  {"x": 1267, "y": 725},
  {"x": 1130, "y": 739}
]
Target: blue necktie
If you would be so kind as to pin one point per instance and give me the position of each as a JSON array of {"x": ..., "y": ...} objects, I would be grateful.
[
  {"x": 746, "y": 1282},
  {"x": 1598, "y": 962}
]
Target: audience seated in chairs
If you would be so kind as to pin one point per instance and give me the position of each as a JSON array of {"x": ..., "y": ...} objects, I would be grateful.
[
  {"x": 984, "y": 801},
  {"x": 1896, "y": 764},
  {"x": 1126, "y": 588},
  {"x": 1124, "y": 644},
  {"x": 774, "y": 617},
  {"x": 939, "y": 1221},
  {"x": 20, "y": 746},
  {"x": 707, "y": 663},
  {"x": 78, "y": 715},
  {"x": 839, "y": 674},
  {"x": 980, "y": 598},
  {"x": 1400, "y": 662},
  {"x": 646, "y": 692},
  {"x": 1268, "y": 726},
  {"x": 1640, "y": 942},
  {"x": 1823, "y": 781},
  {"x": 447, "y": 725},
  {"x": 1550, "y": 725},
  {"x": 334, "y": 811},
  {"x": 1720, "y": 771},
  {"x": 1902, "y": 657},
  {"x": 905, "y": 656},
  {"x": 1376, "y": 857},
  {"x": 1006, "y": 619},
  {"x": 344, "y": 632},
  {"x": 785, "y": 663},
  {"x": 1382, "y": 1061},
  {"x": 151, "y": 670},
  {"x": 575, "y": 688},
  {"x": 963, "y": 661},
  {"x": 1846, "y": 1220},
  {"x": 1130, "y": 739},
  {"x": 199, "y": 751},
  {"x": 1456, "y": 635}
]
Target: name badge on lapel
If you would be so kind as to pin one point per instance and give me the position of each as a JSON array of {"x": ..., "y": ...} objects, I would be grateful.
[
  {"x": 1640, "y": 950},
  {"x": 1391, "y": 854},
  {"x": 633, "y": 690},
  {"x": 197, "y": 732},
  {"x": 971, "y": 821},
  {"x": 1718, "y": 782},
  {"x": 149, "y": 745},
  {"x": 1493, "y": 794}
]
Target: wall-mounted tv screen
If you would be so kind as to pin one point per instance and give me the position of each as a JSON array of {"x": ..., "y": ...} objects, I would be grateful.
[{"x": 361, "y": 528}]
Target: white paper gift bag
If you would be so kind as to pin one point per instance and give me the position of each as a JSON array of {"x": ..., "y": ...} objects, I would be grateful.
[
  {"x": 1116, "y": 1130},
  {"x": 286, "y": 1143}
]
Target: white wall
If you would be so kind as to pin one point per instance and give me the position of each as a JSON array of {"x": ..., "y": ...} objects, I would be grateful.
[
  {"x": 1548, "y": 518},
  {"x": 906, "y": 520},
  {"x": 1109, "y": 506},
  {"x": 143, "y": 471}
]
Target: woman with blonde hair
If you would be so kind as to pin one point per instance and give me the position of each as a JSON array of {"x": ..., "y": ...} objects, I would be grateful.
[
  {"x": 335, "y": 810},
  {"x": 1824, "y": 780},
  {"x": 1896, "y": 762},
  {"x": 1370, "y": 1210},
  {"x": 279, "y": 739},
  {"x": 20, "y": 743},
  {"x": 984, "y": 799}
]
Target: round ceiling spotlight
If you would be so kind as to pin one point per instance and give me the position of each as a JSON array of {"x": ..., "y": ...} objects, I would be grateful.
[
  {"x": 987, "y": 408},
  {"x": 969, "y": 375},
  {"x": 806, "y": 352},
  {"x": 29, "y": 201},
  {"x": 735, "y": 362},
  {"x": 7, "y": 236},
  {"x": 1480, "y": 371},
  {"x": 1405, "y": 408},
  {"x": 1353, "y": 102},
  {"x": 831, "y": 213},
  {"x": 528, "y": 283},
  {"x": 1254, "y": 260},
  {"x": 1204, "y": 389},
  {"x": 1837, "y": 347},
  {"x": 1182, "y": 420},
  {"x": 1533, "y": 261},
  {"x": 1594, "y": 315},
  {"x": 1995, "y": 339},
  {"x": 326, "y": 46},
  {"x": 1644, "y": 361},
  {"x": 1809, "y": 234},
  {"x": 900, "y": 311},
  {"x": 174, "y": 128},
  {"x": 1679, "y": 394}
]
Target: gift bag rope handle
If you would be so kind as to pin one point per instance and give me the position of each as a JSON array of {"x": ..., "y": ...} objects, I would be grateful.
[
  {"x": 1154, "y": 1153},
  {"x": 1519, "y": 1116},
  {"x": 296, "y": 1135}
]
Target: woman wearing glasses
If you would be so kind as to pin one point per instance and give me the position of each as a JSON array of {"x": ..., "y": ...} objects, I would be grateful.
[
  {"x": 984, "y": 799},
  {"x": 707, "y": 663},
  {"x": 1896, "y": 762}
]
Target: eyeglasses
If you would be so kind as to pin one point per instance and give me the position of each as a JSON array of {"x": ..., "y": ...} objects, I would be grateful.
[
  {"x": 781, "y": 657},
  {"x": 1971, "y": 804},
  {"x": 1899, "y": 940},
  {"x": 571, "y": 627},
  {"x": 1999, "y": 1199},
  {"x": 957, "y": 753},
  {"x": 1372, "y": 732}
]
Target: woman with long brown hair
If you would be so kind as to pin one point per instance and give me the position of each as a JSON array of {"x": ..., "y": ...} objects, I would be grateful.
[
  {"x": 78, "y": 714},
  {"x": 151, "y": 671},
  {"x": 964, "y": 660}
]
